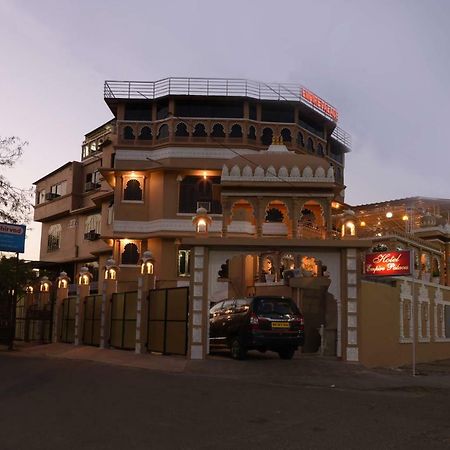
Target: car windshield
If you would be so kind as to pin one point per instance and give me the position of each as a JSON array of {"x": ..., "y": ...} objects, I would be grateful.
[{"x": 275, "y": 308}]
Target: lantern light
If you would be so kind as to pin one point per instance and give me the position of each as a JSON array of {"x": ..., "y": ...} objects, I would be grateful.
[
  {"x": 111, "y": 270},
  {"x": 389, "y": 214},
  {"x": 147, "y": 263}
]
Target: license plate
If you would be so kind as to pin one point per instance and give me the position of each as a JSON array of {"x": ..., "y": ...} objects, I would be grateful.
[{"x": 280, "y": 324}]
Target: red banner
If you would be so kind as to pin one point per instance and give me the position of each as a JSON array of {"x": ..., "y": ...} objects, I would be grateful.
[
  {"x": 388, "y": 264},
  {"x": 319, "y": 103}
]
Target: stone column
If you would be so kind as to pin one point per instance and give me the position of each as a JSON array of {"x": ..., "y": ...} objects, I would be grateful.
[
  {"x": 351, "y": 266},
  {"x": 108, "y": 289}
]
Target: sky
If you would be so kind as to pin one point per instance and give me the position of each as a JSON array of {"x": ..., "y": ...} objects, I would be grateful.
[{"x": 383, "y": 64}]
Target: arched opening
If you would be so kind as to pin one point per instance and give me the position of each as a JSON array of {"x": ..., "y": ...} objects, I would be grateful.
[
  {"x": 286, "y": 135},
  {"x": 276, "y": 221},
  {"x": 181, "y": 130},
  {"x": 242, "y": 218},
  {"x": 311, "y": 223},
  {"x": 130, "y": 254},
  {"x": 132, "y": 191},
  {"x": 320, "y": 151},
  {"x": 163, "y": 132},
  {"x": 251, "y": 133},
  {"x": 199, "y": 130},
  {"x": 436, "y": 270},
  {"x": 267, "y": 136},
  {"x": 236, "y": 131},
  {"x": 310, "y": 145},
  {"x": 300, "y": 140},
  {"x": 128, "y": 133},
  {"x": 146, "y": 134},
  {"x": 218, "y": 131}
]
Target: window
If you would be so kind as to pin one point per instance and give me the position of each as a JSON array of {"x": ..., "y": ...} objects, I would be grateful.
[
  {"x": 133, "y": 190},
  {"x": 308, "y": 218},
  {"x": 184, "y": 263},
  {"x": 57, "y": 190},
  {"x": 111, "y": 212},
  {"x": 320, "y": 150},
  {"x": 195, "y": 191},
  {"x": 92, "y": 181},
  {"x": 92, "y": 225},
  {"x": 41, "y": 197},
  {"x": 199, "y": 130},
  {"x": 54, "y": 237},
  {"x": 218, "y": 131},
  {"x": 85, "y": 151},
  {"x": 251, "y": 133},
  {"x": 236, "y": 131},
  {"x": 163, "y": 132},
  {"x": 209, "y": 108},
  {"x": 300, "y": 140},
  {"x": 138, "y": 111},
  {"x": 277, "y": 113},
  {"x": 146, "y": 134},
  {"x": 286, "y": 135},
  {"x": 130, "y": 254},
  {"x": 310, "y": 145},
  {"x": 181, "y": 130},
  {"x": 128, "y": 133}
]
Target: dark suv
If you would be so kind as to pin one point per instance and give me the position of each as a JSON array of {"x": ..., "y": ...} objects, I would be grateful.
[{"x": 261, "y": 323}]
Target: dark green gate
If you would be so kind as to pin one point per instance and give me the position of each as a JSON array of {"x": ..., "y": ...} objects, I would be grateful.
[
  {"x": 123, "y": 320},
  {"x": 19, "y": 334},
  {"x": 38, "y": 323},
  {"x": 167, "y": 330},
  {"x": 92, "y": 320},
  {"x": 67, "y": 332}
]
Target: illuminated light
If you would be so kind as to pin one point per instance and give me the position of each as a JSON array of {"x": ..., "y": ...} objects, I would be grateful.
[
  {"x": 362, "y": 223},
  {"x": 335, "y": 205},
  {"x": 147, "y": 268},
  {"x": 405, "y": 218},
  {"x": 378, "y": 234},
  {"x": 29, "y": 289},
  {"x": 133, "y": 173},
  {"x": 62, "y": 284},
  {"x": 201, "y": 226},
  {"x": 389, "y": 214},
  {"x": 204, "y": 175}
]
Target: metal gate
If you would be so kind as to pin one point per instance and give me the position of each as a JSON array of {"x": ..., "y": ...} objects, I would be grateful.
[
  {"x": 6, "y": 301},
  {"x": 123, "y": 320},
  {"x": 38, "y": 323},
  {"x": 92, "y": 320},
  {"x": 19, "y": 334},
  {"x": 67, "y": 332},
  {"x": 167, "y": 329}
]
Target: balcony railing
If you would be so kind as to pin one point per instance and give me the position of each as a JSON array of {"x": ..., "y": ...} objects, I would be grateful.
[{"x": 223, "y": 87}]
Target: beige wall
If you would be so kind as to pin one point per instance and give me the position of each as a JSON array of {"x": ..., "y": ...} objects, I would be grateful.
[{"x": 380, "y": 327}]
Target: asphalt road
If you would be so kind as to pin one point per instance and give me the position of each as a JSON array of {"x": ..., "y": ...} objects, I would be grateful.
[{"x": 257, "y": 404}]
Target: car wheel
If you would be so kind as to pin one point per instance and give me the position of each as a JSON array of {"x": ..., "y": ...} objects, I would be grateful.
[
  {"x": 238, "y": 351},
  {"x": 286, "y": 353}
]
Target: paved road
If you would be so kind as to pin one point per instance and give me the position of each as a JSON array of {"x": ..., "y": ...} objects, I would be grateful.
[{"x": 49, "y": 403}]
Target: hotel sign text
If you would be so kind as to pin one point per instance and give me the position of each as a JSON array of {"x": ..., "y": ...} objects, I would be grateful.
[
  {"x": 319, "y": 104},
  {"x": 388, "y": 264}
]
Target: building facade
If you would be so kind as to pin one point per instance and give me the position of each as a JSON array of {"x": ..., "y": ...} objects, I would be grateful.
[{"x": 236, "y": 188}]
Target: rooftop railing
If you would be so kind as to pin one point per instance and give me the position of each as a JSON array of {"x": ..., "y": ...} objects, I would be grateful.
[{"x": 223, "y": 87}]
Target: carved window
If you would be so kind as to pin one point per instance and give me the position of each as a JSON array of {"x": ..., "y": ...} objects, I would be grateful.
[
  {"x": 320, "y": 150},
  {"x": 286, "y": 135},
  {"x": 252, "y": 133},
  {"x": 128, "y": 133},
  {"x": 163, "y": 132},
  {"x": 310, "y": 145},
  {"x": 300, "y": 139},
  {"x": 146, "y": 134},
  {"x": 236, "y": 131},
  {"x": 308, "y": 218},
  {"x": 133, "y": 190},
  {"x": 218, "y": 131},
  {"x": 93, "y": 223},
  {"x": 130, "y": 254},
  {"x": 199, "y": 130},
  {"x": 181, "y": 130},
  {"x": 267, "y": 135}
]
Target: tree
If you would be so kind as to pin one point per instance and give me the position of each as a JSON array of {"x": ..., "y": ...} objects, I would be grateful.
[
  {"x": 10, "y": 268},
  {"x": 15, "y": 203}
]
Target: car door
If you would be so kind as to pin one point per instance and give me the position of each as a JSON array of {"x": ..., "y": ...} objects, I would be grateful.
[
  {"x": 214, "y": 320},
  {"x": 225, "y": 318}
]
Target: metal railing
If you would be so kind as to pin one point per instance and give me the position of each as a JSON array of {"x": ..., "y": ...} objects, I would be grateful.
[{"x": 224, "y": 87}]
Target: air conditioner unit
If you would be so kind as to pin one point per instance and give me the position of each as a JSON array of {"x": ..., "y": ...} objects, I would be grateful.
[
  {"x": 91, "y": 236},
  {"x": 51, "y": 196},
  {"x": 206, "y": 205}
]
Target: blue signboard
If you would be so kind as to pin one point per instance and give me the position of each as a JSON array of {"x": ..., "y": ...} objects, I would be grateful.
[{"x": 12, "y": 237}]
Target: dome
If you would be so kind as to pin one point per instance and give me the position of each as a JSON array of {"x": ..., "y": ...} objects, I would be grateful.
[{"x": 278, "y": 163}]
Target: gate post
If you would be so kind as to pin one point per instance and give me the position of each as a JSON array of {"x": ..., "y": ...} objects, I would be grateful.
[
  {"x": 84, "y": 279},
  {"x": 109, "y": 287},
  {"x": 145, "y": 280},
  {"x": 62, "y": 290}
]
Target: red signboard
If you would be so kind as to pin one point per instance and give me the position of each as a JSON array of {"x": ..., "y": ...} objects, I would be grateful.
[
  {"x": 388, "y": 264},
  {"x": 319, "y": 104}
]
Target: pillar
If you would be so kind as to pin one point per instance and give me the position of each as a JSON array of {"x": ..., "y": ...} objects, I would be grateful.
[
  {"x": 145, "y": 283},
  {"x": 351, "y": 265},
  {"x": 109, "y": 287},
  {"x": 62, "y": 291}
]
